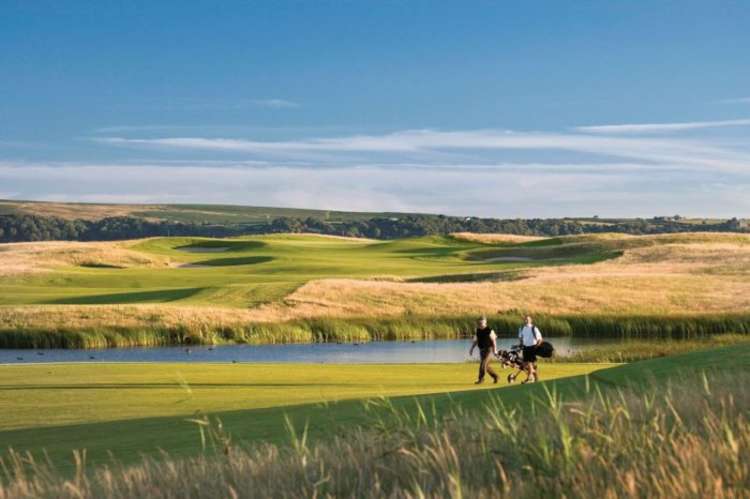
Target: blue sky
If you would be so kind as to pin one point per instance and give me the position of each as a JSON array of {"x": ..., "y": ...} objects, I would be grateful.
[{"x": 507, "y": 109}]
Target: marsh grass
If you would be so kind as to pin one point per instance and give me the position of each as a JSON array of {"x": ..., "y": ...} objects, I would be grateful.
[
  {"x": 135, "y": 326},
  {"x": 687, "y": 438}
]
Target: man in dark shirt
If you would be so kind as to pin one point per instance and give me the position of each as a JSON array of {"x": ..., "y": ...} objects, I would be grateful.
[{"x": 484, "y": 338}]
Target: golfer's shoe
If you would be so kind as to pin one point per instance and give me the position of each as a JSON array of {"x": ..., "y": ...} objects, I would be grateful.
[
  {"x": 511, "y": 378},
  {"x": 479, "y": 382},
  {"x": 494, "y": 380}
]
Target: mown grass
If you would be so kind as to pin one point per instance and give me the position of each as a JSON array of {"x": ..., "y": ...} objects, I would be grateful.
[
  {"x": 249, "y": 272},
  {"x": 129, "y": 409},
  {"x": 674, "y": 427},
  {"x": 635, "y": 350}
]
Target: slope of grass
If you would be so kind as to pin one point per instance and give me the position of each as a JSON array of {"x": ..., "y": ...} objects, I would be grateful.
[
  {"x": 687, "y": 438},
  {"x": 640, "y": 349},
  {"x": 134, "y": 408},
  {"x": 256, "y": 270},
  {"x": 509, "y": 417}
]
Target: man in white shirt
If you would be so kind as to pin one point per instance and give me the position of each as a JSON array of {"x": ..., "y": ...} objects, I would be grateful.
[{"x": 530, "y": 338}]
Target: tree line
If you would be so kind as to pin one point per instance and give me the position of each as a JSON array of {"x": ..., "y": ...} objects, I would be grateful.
[{"x": 27, "y": 227}]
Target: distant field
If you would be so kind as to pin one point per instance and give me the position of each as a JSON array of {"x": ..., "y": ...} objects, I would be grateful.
[
  {"x": 244, "y": 272},
  {"x": 186, "y": 213},
  {"x": 218, "y": 287},
  {"x": 167, "y": 290}
]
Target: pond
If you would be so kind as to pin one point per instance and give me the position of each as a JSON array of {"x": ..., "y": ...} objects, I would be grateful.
[{"x": 427, "y": 351}]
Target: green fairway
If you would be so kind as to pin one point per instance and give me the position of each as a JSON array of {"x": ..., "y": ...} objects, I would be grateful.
[
  {"x": 133, "y": 408},
  {"x": 251, "y": 271}
]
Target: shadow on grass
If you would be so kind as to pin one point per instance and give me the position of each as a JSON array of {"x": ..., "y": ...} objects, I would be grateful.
[
  {"x": 220, "y": 244},
  {"x": 240, "y": 260},
  {"x": 471, "y": 277},
  {"x": 157, "y": 296}
]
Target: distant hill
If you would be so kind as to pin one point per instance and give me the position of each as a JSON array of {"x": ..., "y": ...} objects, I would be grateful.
[
  {"x": 40, "y": 221},
  {"x": 183, "y": 213}
]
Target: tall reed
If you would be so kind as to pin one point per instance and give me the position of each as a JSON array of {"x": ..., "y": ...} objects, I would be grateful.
[{"x": 365, "y": 329}]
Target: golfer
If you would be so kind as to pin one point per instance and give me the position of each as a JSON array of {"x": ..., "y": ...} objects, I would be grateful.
[
  {"x": 530, "y": 338},
  {"x": 484, "y": 338}
]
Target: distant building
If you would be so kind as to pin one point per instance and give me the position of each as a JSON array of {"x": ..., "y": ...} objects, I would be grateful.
[{"x": 738, "y": 224}]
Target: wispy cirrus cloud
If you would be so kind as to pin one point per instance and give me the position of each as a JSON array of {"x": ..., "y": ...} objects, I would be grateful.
[
  {"x": 275, "y": 103},
  {"x": 418, "y": 143},
  {"x": 645, "y": 128}
]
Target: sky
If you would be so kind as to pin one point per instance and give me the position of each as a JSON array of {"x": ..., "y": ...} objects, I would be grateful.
[{"x": 498, "y": 109}]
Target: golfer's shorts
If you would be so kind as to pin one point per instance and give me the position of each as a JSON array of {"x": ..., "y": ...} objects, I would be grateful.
[{"x": 529, "y": 354}]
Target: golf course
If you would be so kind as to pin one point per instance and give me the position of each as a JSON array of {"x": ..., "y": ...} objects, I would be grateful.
[
  {"x": 307, "y": 288},
  {"x": 123, "y": 428}
]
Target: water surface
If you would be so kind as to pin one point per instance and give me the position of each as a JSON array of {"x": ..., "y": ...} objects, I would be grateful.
[{"x": 428, "y": 351}]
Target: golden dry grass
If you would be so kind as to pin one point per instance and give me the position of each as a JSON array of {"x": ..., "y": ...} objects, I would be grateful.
[
  {"x": 23, "y": 258},
  {"x": 92, "y": 317},
  {"x": 666, "y": 274},
  {"x": 494, "y": 238}
]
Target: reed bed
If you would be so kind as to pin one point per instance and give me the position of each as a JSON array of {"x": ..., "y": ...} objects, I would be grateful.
[
  {"x": 135, "y": 326},
  {"x": 688, "y": 438}
]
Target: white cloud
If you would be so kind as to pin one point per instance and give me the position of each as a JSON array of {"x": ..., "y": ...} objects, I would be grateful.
[
  {"x": 638, "y": 128},
  {"x": 423, "y": 143},
  {"x": 516, "y": 192},
  {"x": 275, "y": 103}
]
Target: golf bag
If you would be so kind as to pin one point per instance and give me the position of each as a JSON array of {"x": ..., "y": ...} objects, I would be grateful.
[{"x": 545, "y": 350}]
